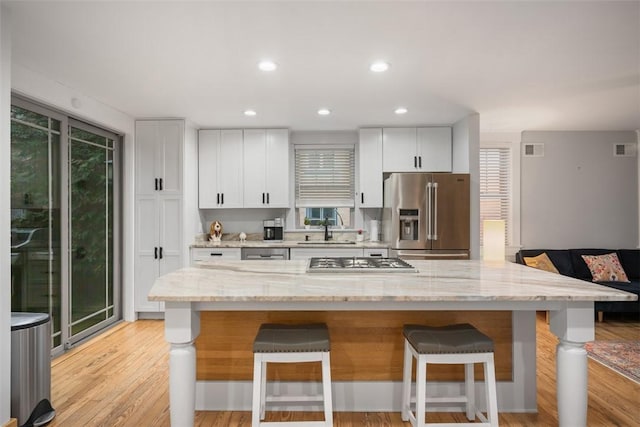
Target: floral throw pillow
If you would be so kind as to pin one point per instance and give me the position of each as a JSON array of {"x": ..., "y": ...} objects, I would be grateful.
[
  {"x": 541, "y": 262},
  {"x": 605, "y": 268}
]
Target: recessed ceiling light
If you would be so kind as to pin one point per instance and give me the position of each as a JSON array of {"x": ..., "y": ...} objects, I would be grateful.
[
  {"x": 324, "y": 111},
  {"x": 267, "y": 65},
  {"x": 250, "y": 113},
  {"x": 379, "y": 67},
  {"x": 400, "y": 110}
]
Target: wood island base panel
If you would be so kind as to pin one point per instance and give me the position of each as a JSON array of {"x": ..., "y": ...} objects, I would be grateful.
[{"x": 365, "y": 345}]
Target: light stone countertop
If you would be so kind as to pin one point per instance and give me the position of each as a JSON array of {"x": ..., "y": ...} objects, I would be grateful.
[
  {"x": 290, "y": 244},
  {"x": 436, "y": 280}
]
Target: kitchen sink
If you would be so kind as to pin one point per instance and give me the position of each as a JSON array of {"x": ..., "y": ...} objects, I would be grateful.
[{"x": 322, "y": 242}]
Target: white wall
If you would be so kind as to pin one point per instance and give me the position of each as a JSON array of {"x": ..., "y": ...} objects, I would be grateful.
[
  {"x": 56, "y": 95},
  {"x": 466, "y": 159},
  {"x": 5, "y": 223},
  {"x": 579, "y": 195}
]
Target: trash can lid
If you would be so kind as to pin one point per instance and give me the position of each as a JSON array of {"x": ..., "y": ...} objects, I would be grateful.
[{"x": 27, "y": 320}]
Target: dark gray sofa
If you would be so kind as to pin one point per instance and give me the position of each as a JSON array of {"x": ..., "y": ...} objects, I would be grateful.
[{"x": 569, "y": 262}]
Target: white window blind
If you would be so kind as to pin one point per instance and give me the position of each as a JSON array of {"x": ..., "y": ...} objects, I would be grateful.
[
  {"x": 495, "y": 186},
  {"x": 324, "y": 177}
]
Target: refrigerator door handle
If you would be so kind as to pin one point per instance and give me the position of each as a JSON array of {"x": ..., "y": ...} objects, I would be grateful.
[
  {"x": 435, "y": 211},
  {"x": 428, "y": 210}
]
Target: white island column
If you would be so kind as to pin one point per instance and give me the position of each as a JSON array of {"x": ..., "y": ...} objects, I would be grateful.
[
  {"x": 574, "y": 326},
  {"x": 182, "y": 326}
]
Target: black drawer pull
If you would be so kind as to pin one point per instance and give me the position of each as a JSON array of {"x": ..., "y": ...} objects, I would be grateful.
[{"x": 215, "y": 254}]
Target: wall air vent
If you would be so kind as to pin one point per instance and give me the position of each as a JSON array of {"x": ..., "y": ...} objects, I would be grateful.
[
  {"x": 624, "y": 150},
  {"x": 534, "y": 149}
]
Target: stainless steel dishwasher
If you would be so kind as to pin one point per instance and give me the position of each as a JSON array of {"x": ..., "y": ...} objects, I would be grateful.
[{"x": 265, "y": 254}]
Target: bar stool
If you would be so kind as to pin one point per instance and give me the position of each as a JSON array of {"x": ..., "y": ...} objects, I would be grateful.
[
  {"x": 452, "y": 344},
  {"x": 290, "y": 344}
]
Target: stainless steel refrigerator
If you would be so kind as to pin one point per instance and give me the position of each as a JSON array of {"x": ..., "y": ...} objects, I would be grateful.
[{"x": 426, "y": 215}]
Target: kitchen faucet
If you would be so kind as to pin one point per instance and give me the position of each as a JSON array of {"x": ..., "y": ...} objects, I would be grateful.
[{"x": 327, "y": 234}]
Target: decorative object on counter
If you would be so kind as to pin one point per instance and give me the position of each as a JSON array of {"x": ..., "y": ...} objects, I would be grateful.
[
  {"x": 307, "y": 223},
  {"x": 360, "y": 236},
  {"x": 243, "y": 237},
  {"x": 215, "y": 231},
  {"x": 493, "y": 237},
  {"x": 374, "y": 233}
]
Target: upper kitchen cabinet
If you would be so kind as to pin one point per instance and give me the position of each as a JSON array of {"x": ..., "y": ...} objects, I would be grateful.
[
  {"x": 159, "y": 147},
  {"x": 434, "y": 149},
  {"x": 220, "y": 172},
  {"x": 370, "y": 168},
  {"x": 266, "y": 166},
  {"x": 425, "y": 149}
]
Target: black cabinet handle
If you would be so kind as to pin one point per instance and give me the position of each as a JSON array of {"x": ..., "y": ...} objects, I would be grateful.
[
  {"x": 215, "y": 254},
  {"x": 415, "y": 161},
  {"x": 419, "y": 164},
  {"x": 155, "y": 253},
  {"x": 267, "y": 198},
  {"x": 263, "y": 198},
  {"x": 156, "y": 184},
  {"x": 160, "y": 184},
  {"x": 222, "y": 198},
  {"x": 218, "y": 198},
  {"x": 160, "y": 252},
  {"x": 361, "y": 197}
]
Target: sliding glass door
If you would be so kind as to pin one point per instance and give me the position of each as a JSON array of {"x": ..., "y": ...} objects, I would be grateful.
[
  {"x": 92, "y": 282},
  {"x": 65, "y": 225}
]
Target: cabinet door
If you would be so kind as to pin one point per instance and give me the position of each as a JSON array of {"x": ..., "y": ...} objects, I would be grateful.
[
  {"x": 170, "y": 136},
  {"x": 159, "y": 145},
  {"x": 399, "y": 150},
  {"x": 277, "y": 168},
  {"x": 170, "y": 233},
  {"x": 147, "y": 246},
  {"x": 434, "y": 149},
  {"x": 148, "y": 157},
  {"x": 255, "y": 153},
  {"x": 230, "y": 170},
  {"x": 370, "y": 168},
  {"x": 208, "y": 153}
]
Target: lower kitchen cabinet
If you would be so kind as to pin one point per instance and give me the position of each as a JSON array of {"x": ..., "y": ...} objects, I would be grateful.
[{"x": 204, "y": 254}]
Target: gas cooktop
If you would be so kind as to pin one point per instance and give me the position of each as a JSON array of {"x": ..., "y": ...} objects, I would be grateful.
[{"x": 359, "y": 265}]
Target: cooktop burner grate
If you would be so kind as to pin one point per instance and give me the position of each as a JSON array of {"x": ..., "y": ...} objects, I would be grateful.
[{"x": 359, "y": 264}]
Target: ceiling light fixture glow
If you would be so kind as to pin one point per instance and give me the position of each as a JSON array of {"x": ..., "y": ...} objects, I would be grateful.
[
  {"x": 324, "y": 111},
  {"x": 250, "y": 113},
  {"x": 267, "y": 65},
  {"x": 400, "y": 110},
  {"x": 379, "y": 67}
]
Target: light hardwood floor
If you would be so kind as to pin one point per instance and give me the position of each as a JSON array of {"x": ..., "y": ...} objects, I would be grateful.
[{"x": 121, "y": 379}]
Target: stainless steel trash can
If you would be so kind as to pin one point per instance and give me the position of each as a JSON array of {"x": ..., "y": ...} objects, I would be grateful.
[{"x": 31, "y": 369}]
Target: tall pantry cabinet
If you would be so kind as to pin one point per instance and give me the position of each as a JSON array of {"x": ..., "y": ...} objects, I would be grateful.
[{"x": 158, "y": 205}]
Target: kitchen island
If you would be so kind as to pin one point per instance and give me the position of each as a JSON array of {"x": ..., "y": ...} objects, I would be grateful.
[{"x": 442, "y": 286}]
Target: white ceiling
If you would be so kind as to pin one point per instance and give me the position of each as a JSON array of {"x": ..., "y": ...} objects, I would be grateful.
[{"x": 520, "y": 65}]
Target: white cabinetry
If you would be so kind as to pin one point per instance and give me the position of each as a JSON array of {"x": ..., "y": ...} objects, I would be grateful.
[
  {"x": 434, "y": 149},
  {"x": 158, "y": 205},
  {"x": 266, "y": 168},
  {"x": 204, "y": 254},
  {"x": 417, "y": 149},
  {"x": 220, "y": 172},
  {"x": 370, "y": 168}
]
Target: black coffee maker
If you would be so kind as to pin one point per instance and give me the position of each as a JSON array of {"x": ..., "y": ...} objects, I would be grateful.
[{"x": 273, "y": 230}]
